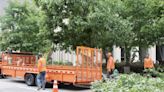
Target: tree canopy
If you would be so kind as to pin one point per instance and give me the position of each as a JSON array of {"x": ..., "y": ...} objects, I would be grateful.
[
  {"x": 21, "y": 28},
  {"x": 36, "y": 25}
]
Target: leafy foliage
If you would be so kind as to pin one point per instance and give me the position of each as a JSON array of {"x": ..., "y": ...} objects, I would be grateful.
[
  {"x": 151, "y": 72},
  {"x": 129, "y": 83},
  {"x": 144, "y": 16},
  {"x": 36, "y": 25},
  {"x": 77, "y": 30},
  {"x": 62, "y": 63},
  {"x": 103, "y": 23},
  {"x": 91, "y": 23},
  {"x": 21, "y": 27}
]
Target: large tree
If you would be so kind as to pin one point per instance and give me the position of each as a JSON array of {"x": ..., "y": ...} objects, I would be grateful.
[
  {"x": 21, "y": 27},
  {"x": 70, "y": 18},
  {"x": 103, "y": 23},
  {"x": 113, "y": 28},
  {"x": 93, "y": 23},
  {"x": 144, "y": 16}
]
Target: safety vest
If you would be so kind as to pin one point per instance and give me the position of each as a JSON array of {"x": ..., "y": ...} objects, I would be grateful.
[
  {"x": 110, "y": 64},
  {"x": 41, "y": 65},
  {"x": 148, "y": 63}
]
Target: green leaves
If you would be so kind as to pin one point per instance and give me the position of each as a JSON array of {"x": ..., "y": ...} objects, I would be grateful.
[
  {"x": 76, "y": 30},
  {"x": 21, "y": 26},
  {"x": 129, "y": 83},
  {"x": 93, "y": 23},
  {"x": 144, "y": 14}
]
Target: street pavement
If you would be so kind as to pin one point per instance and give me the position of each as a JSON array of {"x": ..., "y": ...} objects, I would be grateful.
[{"x": 17, "y": 85}]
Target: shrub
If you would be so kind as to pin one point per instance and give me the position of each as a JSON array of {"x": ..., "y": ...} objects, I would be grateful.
[
  {"x": 62, "y": 63},
  {"x": 151, "y": 72},
  {"x": 134, "y": 67},
  {"x": 129, "y": 83},
  {"x": 160, "y": 68}
]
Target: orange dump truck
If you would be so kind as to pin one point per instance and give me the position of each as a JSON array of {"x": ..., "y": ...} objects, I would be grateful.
[{"x": 88, "y": 67}]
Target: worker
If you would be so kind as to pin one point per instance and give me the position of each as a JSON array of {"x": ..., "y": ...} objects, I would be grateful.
[
  {"x": 41, "y": 72},
  {"x": 148, "y": 62},
  {"x": 110, "y": 65}
]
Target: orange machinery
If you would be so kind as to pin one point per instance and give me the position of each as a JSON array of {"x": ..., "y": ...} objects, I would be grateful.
[{"x": 88, "y": 67}]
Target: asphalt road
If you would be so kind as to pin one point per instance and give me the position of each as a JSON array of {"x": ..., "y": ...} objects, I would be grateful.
[{"x": 17, "y": 85}]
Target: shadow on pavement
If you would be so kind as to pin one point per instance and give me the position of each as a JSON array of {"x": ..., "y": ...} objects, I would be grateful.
[
  {"x": 66, "y": 87},
  {"x": 18, "y": 81},
  {"x": 49, "y": 85},
  {"x": 71, "y": 87}
]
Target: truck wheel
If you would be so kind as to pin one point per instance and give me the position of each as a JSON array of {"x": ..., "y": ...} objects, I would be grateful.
[
  {"x": 2, "y": 76},
  {"x": 30, "y": 79}
]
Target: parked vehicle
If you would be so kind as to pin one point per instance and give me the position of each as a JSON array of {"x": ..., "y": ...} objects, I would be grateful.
[{"x": 23, "y": 65}]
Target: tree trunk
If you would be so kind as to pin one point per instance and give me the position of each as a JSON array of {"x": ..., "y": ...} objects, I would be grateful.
[
  {"x": 105, "y": 52},
  {"x": 127, "y": 55},
  {"x": 49, "y": 59},
  {"x": 142, "y": 53},
  {"x": 127, "y": 60}
]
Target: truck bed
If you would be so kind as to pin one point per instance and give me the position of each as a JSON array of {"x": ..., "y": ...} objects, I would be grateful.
[
  {"x": 69, "y": 74},
  {"x": 87, "y": 69}
]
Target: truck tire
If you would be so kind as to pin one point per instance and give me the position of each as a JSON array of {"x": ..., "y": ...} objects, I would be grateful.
[
  {"x": 2, "y": 76},
  {"x": 30, "y": 79}
]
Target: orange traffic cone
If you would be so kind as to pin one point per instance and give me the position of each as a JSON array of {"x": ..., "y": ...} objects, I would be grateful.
[{"x": 55, "y": 86}]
